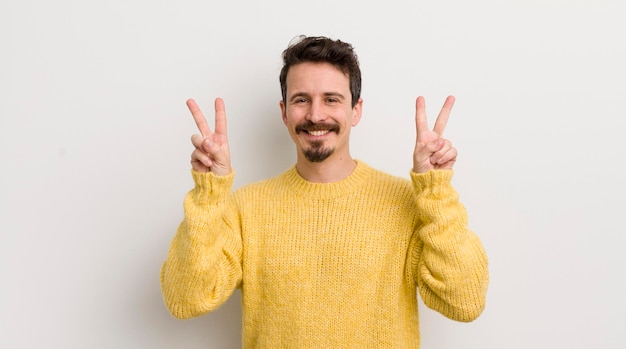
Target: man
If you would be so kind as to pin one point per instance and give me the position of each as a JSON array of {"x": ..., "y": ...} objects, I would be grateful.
[{"x": 330, "y": 253}]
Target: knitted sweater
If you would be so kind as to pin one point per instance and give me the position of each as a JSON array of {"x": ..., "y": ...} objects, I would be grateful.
[{"x": 333, "y": 265}]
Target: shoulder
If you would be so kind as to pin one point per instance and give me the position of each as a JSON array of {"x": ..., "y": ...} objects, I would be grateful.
[
  {"x": 387, "y": 183},
  {"x": 385, "y": 178},
  {"x": 389, "y": 195}
]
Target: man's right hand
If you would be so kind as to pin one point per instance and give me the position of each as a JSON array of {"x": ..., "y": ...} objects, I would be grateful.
[{"x": 211, "y": 153}]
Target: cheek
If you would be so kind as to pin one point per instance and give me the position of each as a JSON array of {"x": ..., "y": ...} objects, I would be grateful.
[{"x": 294, "y": 116}]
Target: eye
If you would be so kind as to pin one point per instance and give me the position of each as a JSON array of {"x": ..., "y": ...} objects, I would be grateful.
[
  {"x": 332, "y": 100},
  {"x": 299, "y": 100}
]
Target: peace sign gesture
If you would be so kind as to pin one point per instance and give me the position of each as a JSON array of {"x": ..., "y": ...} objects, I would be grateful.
[
  {"x": 211, "y": 153},
  {"x": 431, "y": 150}
]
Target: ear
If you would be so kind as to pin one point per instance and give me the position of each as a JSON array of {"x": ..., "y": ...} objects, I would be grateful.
[
  {"x": 356, "y": 112},
  {"x": 283, "y": 111}
]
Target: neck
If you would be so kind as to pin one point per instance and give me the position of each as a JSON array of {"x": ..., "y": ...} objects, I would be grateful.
[{"x": 328, "y": 171}]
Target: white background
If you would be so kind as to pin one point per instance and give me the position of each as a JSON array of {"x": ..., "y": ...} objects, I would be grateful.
[{"x": 95, "y": 150}]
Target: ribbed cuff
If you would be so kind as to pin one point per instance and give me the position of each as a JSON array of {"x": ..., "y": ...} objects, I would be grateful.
[
  {"x": 211, "y": 188},
  {"x": 433, "y": 182}
]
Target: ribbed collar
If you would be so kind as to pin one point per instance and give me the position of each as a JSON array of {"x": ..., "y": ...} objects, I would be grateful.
[{"x": 321, "y": 191}]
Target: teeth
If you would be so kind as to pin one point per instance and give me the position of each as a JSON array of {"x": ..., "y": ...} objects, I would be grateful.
[{"x": 318, "y": 133}]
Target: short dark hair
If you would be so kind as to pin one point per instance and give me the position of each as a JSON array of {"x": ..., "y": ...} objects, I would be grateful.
[{"x": 323, "y": 50}]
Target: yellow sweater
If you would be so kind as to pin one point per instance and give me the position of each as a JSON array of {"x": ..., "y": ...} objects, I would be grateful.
[{"x": 332, "y": 265}]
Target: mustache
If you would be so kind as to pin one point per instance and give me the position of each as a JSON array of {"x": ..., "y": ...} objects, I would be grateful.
[{"x": 308, "y": 126}]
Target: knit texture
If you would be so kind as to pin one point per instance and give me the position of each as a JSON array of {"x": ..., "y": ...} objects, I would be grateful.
[{"x": 333, "y": 265}]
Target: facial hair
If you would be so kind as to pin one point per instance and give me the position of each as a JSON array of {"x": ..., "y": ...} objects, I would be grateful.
[{"x": 317, "y": 152}]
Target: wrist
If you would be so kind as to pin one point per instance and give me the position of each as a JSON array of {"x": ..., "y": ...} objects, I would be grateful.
[{"x": 221, "y": 171}]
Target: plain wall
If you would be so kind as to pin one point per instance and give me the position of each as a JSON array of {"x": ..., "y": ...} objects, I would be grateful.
[{"x": 95, "y": 153}]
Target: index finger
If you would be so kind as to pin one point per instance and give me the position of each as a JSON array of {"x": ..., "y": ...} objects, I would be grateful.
[
  {"x": 199, "y": 118},
  {"x": 220, "y": 117},
  {"x": 444, "y": 114}
]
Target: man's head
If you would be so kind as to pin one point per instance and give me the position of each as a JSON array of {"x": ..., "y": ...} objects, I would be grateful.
[
  {"x": 321, "y": 97},
  {"x": 321, "y": 49}
]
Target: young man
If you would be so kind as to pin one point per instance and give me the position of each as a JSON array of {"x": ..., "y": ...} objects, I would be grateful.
[{"x": 330, "y": 253}]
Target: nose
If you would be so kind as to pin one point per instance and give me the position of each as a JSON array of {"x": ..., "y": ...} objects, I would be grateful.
[{"x": 317, "y": 112}]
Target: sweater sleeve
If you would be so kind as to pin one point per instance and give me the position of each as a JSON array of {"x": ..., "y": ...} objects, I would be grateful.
[
  {"x": 203, "y": 266},
  {"x": 448, "y": 261}
]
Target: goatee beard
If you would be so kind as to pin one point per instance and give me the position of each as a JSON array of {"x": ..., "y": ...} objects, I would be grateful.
[{"x": 317, "y": 152}]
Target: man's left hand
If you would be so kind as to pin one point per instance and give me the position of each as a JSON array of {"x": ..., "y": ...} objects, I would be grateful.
[{"x": 432, "y": 151}]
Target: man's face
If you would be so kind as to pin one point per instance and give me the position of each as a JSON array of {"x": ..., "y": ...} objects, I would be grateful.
[{"x": 318, "y": 110}]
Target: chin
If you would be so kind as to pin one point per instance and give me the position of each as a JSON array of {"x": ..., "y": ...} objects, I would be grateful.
[{"x": 318, "y": 154}]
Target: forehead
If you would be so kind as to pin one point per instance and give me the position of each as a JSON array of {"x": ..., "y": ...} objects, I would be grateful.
[{"x": 313, "y": 77}]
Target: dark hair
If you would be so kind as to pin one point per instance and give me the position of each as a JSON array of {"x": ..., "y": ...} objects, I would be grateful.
[{"x": 323, "y": 50}]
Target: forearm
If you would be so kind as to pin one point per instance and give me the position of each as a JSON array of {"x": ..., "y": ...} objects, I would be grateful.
[
  {"x": 203, "y": 264},
  {"x": 449, "y": 261}
]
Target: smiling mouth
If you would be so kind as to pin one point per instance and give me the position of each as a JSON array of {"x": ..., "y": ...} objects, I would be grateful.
[{"x": 317, "y": 133}]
